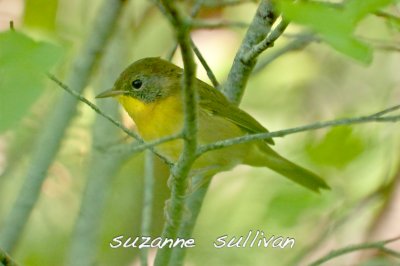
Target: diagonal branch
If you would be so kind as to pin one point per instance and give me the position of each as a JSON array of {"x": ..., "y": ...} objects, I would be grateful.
[
  {"x": 294, "y": 45},
  {"x": 142, "y": 145},
  {"x": 259, "y": 28},
  {"x": 377, "y": 117},
  {"x": 380, "y": 245},
  {"x": 268, "y": 42}
]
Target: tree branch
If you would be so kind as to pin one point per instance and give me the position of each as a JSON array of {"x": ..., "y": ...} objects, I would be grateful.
[
  {"x": 210, "y": 74},
  {"x": 268, "y": 42},
  {"x": 259, "y": 28},
  {"x": 179, "y": 173},
  {"x": 296, "y": 44}
]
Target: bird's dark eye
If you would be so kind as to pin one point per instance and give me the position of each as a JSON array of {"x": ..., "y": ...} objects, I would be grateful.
[{"x": 136, "y": 84}]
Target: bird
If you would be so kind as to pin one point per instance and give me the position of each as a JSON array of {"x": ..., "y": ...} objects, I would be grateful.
[{"x": 150, "y": 90}]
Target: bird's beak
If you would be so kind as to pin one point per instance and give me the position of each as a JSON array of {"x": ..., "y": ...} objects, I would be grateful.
[{"x": 110, "y": 93}]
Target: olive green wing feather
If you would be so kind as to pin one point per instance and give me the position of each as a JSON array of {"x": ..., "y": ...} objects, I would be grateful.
[{"x": 215, "y": 102}]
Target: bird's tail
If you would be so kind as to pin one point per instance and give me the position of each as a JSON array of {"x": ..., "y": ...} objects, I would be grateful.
[{"x": 294, "y": 172}]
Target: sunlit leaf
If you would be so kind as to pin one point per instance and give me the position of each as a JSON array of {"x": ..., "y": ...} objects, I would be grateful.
[{"x": 335, "y": 23}]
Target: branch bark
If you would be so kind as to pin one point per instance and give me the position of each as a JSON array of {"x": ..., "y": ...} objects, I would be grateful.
[
  {"x": 179, "y": 173},
  {"x": 259, "y": 28}
]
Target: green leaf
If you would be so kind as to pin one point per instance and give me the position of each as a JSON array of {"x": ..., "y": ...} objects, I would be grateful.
[
  {"x": 335, "y": 23},
  {"x": 318, "y": 16},
  {"x": 338, "y": 148},
  {"x": 359, "y": 9},
  {"x": 351, "y": 47},
  {"x": 23, "y": 64}
]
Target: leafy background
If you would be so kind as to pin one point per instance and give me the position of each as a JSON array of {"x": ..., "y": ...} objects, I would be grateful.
[{"x": 352, "y": 72}]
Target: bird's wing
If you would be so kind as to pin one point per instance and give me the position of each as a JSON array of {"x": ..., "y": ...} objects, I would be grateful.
[{"x": 215, "y": 102}]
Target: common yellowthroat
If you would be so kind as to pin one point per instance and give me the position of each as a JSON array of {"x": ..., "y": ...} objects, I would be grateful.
[{"x": 150, "y": 91}]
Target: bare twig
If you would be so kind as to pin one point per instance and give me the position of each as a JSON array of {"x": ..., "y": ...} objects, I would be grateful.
[
  {"x": 195, "y": 10},
  {"x": 210, "y": 74},
  {"x": 268, "y": 42},
  {"x": 193, "y": 13},
  {"x": 93, "y": 107},
  {"x": 142, "y": 144},
  {"x": 380, "y": 245},
  {"x": 294, "y": 45}
]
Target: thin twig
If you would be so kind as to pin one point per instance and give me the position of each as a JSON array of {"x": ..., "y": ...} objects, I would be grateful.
[
  {"x": 142, "y": 144},
  {"x": 172, "y": 52},
  {"x": 195, "y": 10},
  {"x": 380, "y": 245},
  {"x": 313, "y": 126},
  {"x": 268, "y": 42},
  {"x": 93, "y": 107},
  {"x": 294, "y": 45},
  {"x": 386, "y": 111},
  {"x": 138, "y": 147},
  {"x": 210, "y": 74},
  {"x": 338, "y": 221},
  {"x": 193, "y": 13}
]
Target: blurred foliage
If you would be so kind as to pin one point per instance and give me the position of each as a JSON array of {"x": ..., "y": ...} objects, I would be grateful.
[
  {"x": 324, "y": 151},
  {"x": 299, "y": 88},
  {"x": 41, "y": 14},
  {"x": 339, "y": 28},
  {"x": 23, "y": 64}
]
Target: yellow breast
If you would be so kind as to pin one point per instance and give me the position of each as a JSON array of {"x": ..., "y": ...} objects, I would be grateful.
[{"x": 157, "y": 119}]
